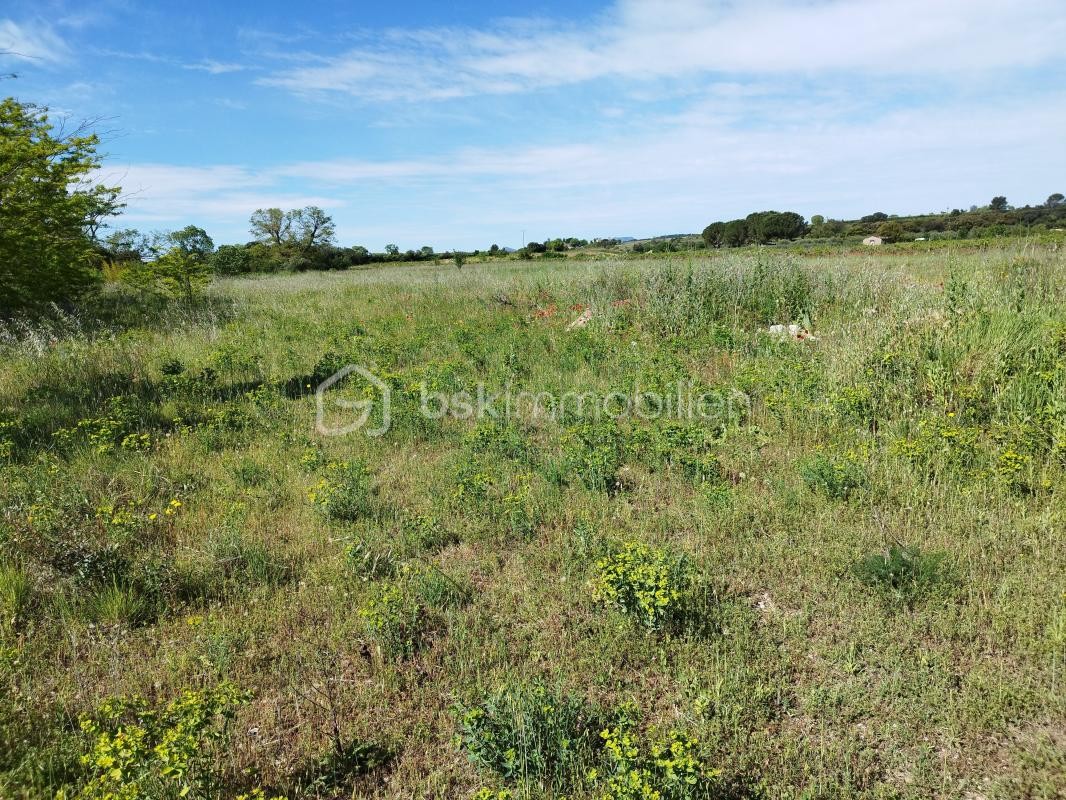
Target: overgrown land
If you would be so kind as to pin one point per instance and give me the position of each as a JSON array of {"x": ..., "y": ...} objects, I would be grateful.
[
  {"x": 768, "y": 514},
  {"x": 847, "y": 581}
]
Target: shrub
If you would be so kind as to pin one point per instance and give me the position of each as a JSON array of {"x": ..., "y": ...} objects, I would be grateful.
[
  {"x": 594, "y": 452},
  {"x": 394, "y": 621},
  {"x": 344, "y": 491},
  {"x": 529, "y": 733},
  {"x": 648, "y": 585},
  {"x": 903, "y": 574},
  {"x": 137, "y": 750},
  {"x": 666, "y": 768},
  {"x": 836, "y": 478}
]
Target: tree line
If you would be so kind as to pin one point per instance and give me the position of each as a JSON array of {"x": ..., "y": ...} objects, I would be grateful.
[{"x": 998, "y": 218}]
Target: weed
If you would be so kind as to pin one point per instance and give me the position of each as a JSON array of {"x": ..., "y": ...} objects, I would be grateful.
[
  {"x": 137, "y": 750},
  {"x": 836, "y": 478},
  {"x": 437, "y": 590},
  {"x": 647, "y": 585},
  {"x": 903, "y": 574},
  {"x": 394, "y": 621},
  {"x": 343, "y": 494},
  {"x": 529, "y": 733},
  {"x": 16, "y": 593},
  {"x": 668, "y": 767},
  {"x": 594, "y": 452},
  {"x": 370, "y": 562}
]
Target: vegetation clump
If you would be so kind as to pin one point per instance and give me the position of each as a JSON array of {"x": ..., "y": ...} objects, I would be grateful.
[
  {"x": 903, "y": 574},
  {"x": 529, "y": 733},
  {"x": 646, "y": 584}
]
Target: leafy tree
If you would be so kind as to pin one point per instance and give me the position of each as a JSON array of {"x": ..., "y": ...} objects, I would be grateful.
[
  {"x": 877, "y": 216},
  {"x": 891, "y": 231},
  {"x": 231, "y": 259},
  {"x": 193, "y": 241},
  {"x": 310, "y": 227},
  {"x": 768, "y": 226},
  {"x": 181, "y": 274},
  {"x": 999, "y": 203},
  {"x": 735, "y": 233},
  {"x": 270, "y": 226},
  {"x": 1055, "y": 200},
  {"x": 176, "y": 264},
  {"x": 50, "y": 209},
  {"x": 392, "y": 250},
  {"x": 714, "y": 234},
  {"x": 126, "y": 244}
]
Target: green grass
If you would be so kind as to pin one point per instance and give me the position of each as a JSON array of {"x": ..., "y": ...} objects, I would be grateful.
[{"x": 847, "y": 580}]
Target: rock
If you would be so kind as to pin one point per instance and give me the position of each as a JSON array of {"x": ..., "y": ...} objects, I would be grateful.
[
  {"x": 582, "y": 321},
  {"x": 796, "y": 333}
]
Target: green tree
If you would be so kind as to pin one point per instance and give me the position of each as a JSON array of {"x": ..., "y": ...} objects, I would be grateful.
[
  {"x": 1055, "y": 200},
  {"x": 392, "y": 250},
  {"x": 310, "y": 227},
  {"x": 999, "y": 203},
  {"x": 270, "y": 226},
  {"x": 231, "y": 259},
  {"x": 714, "y": 234},
  {"x": 193, "y": 241},
  {"x": 50, "y": 209},
  {"x": 176, "y": 264},
  {"x": 735, "y": 233},
  {"x": 891, "y": 231}
]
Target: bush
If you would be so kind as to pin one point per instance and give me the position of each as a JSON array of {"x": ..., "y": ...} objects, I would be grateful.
[
  {"x": 648, "y": 585},
  {"x": 903, "y": 574},
  {"x": 529, "y": 733},
  {"x": 136, "y": 750},
  {"x": 394, "y": 621},
  {"x": 344, "y": 492},
  {"x": 836, "y": 478}
]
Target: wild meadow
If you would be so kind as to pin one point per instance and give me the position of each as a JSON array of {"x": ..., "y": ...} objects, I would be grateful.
[{"x": 847, "y": 579}]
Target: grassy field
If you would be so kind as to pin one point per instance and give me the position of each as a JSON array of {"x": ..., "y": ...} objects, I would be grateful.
[{"x": 847, "y": 578}]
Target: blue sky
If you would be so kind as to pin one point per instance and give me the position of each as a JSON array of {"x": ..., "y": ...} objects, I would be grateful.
[{"x": 461, "y": 124}]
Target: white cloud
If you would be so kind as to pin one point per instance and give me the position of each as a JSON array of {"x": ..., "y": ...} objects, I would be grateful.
[
  {"x": 644, "y": 39},
  {"x": 214, "y": 67},
  {"x": 169, "y": 195},
  {"x": 694, "y": 168},
  {"x": 31, "y": 41}
]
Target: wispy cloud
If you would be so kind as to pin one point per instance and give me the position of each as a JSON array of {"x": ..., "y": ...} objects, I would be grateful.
[
  {"x": 208, "y": 65},
  {"x": 215, "y": 67},
  {"x": 166, "y": 194},
  {"x": 645, "y": 39},
  {"x": 31, "y": 41},
  {"x": 695, "y": 167}
]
